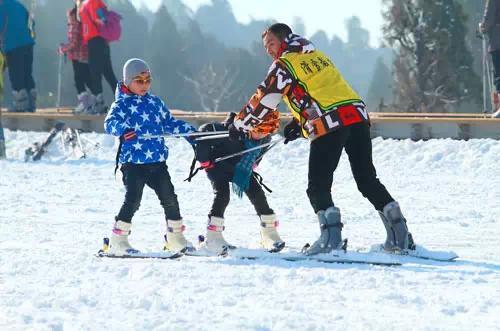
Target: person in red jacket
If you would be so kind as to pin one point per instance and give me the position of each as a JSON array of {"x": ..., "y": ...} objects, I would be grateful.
[
  {"x": 93, "y": 15},
  {"x": 490, "y": 25},
  {"x": 77, "y": 52}
]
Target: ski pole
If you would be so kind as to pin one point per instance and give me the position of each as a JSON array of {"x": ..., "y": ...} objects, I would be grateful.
[
  {"x": 193, "y": 172},
  {"x": 63, "y": 143},
  {"x": 2, "y": 135},
  {"x": 193, "y": 134},
  {"x": 222, "y": 158},
  {"x": 79, "y": 141},
  {"x": 214, "y": 136},
  {"x": 183, "y": 135},
  {"x": 90, "y": 141},
  {"x": 274, "y": 144},
  {"x": 483, "y": 43},
  {"x": 59, "y": 81}
]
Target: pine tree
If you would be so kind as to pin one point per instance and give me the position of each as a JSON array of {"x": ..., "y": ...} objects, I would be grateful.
[
  {"x": 380, "y": 91},
  {"x": 474, "y": 14},
  {"x": 433, "y": 67},
  {"x": 166, "y": 58}
]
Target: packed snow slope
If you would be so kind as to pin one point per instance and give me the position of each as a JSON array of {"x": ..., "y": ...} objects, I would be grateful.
[{"x": 54, "y": 214}]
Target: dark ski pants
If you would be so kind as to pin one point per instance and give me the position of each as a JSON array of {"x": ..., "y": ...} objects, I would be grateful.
[
  {"x": 154, "y": 175},
  {"x": 495, "y": 56},
  {"x": 324, "y": 158},
  {"x": 100, "y": 65},
  {"x": 254, "y": 193},
  {"x": 20, "y": 65},
  {"x": 81, "y": 73}
]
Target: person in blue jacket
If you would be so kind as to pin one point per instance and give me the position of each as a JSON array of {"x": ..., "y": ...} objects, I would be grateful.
[
  {"x": 17, "y": 40},
  {"x": 140, "y": 119}
]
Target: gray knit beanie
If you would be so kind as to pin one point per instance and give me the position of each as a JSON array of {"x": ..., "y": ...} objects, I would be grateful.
[{"x": 132, "y": 69}]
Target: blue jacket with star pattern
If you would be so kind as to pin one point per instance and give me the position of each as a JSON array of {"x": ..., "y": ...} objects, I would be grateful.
[{"x": 149, "y": 117}]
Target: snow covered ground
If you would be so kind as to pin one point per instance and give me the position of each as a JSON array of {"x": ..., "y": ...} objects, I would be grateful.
[{"x": 55, "y": 213}]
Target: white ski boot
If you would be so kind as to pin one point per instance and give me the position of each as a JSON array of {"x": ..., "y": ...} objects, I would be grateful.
[
  {"x": 497, "y": 114},
  {"x": 118, "y": 243},
  {"x": 330, "y": 238},
  {"x": 398, "y": 237},
  {"x": 214, "y": 240},
  {"x": 270, "y": 239},
  {"x": 175, "y": 240}
]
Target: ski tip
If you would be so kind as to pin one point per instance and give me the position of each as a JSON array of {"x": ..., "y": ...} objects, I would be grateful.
[
  {"x": 105, "y": 244},
  {"x": 224, "y": 252},
  {"x": 278, "y": 247}
]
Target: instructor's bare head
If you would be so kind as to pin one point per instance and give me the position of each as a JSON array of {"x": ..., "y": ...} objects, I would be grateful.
[{"x": 273, "y": 37}]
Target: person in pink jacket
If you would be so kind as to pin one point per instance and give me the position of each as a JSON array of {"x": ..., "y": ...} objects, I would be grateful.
[{"x": 77, "y": 52}]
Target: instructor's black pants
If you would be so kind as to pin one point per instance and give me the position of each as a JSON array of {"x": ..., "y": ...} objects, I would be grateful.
[
  {"x": 324, "y": 157},
  {"x": 20, "y": 66},
  {"x": 495, "y": 56},
  {"x": 254, "y": 193},
  {"x": 100, "y": 65},
  {"x": 154, "y": 175}
]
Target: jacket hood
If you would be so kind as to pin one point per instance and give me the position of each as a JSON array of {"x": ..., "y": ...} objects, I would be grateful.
[{"x": 297, "y": 44}]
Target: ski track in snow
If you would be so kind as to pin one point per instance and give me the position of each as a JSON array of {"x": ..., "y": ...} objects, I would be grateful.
[{"x": 56, "y": 212}]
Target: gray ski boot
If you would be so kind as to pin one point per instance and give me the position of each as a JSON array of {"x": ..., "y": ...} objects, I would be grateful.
[
  {"x": 99, "y": 107},
  {"x": 20, "y": 101},
  {"x": 32, "y": 101},
  {"x": 85, "y": 103},
  {"x": 398, "y": 237},
  {"x": 331, "y": 233}
]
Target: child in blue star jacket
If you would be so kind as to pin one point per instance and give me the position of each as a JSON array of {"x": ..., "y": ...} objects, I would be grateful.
[{"x": 139, "y": 118}]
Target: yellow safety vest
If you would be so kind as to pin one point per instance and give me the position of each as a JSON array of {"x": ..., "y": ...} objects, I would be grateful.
[{"x": 321, "y": 80}]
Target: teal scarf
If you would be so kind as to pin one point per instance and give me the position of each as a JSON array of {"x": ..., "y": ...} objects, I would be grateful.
[{"x": 244, "y": 169}]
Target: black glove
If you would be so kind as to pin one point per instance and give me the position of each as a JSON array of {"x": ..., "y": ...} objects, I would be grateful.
[
  {"x": 236, "y": 134},
  {"x": 229, "y": 119},
  {"x": 292, "y": 131}
]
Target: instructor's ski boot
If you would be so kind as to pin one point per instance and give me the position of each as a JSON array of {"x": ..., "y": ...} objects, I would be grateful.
[
  {"x": 214, "y": 240},
  {"x": 398, "y": 238},
  {"x": 270, "y": 239},
  {"x": 118, "y": 243},
  {"x": 331, "y": 233},
  {"x": 175, "y": 240}
]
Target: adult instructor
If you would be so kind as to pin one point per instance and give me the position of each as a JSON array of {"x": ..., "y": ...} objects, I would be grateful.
[{"x": 332, "y": 115}]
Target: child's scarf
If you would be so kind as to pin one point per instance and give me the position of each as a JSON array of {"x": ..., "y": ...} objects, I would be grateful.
[{"x": 244, "y": 169}]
